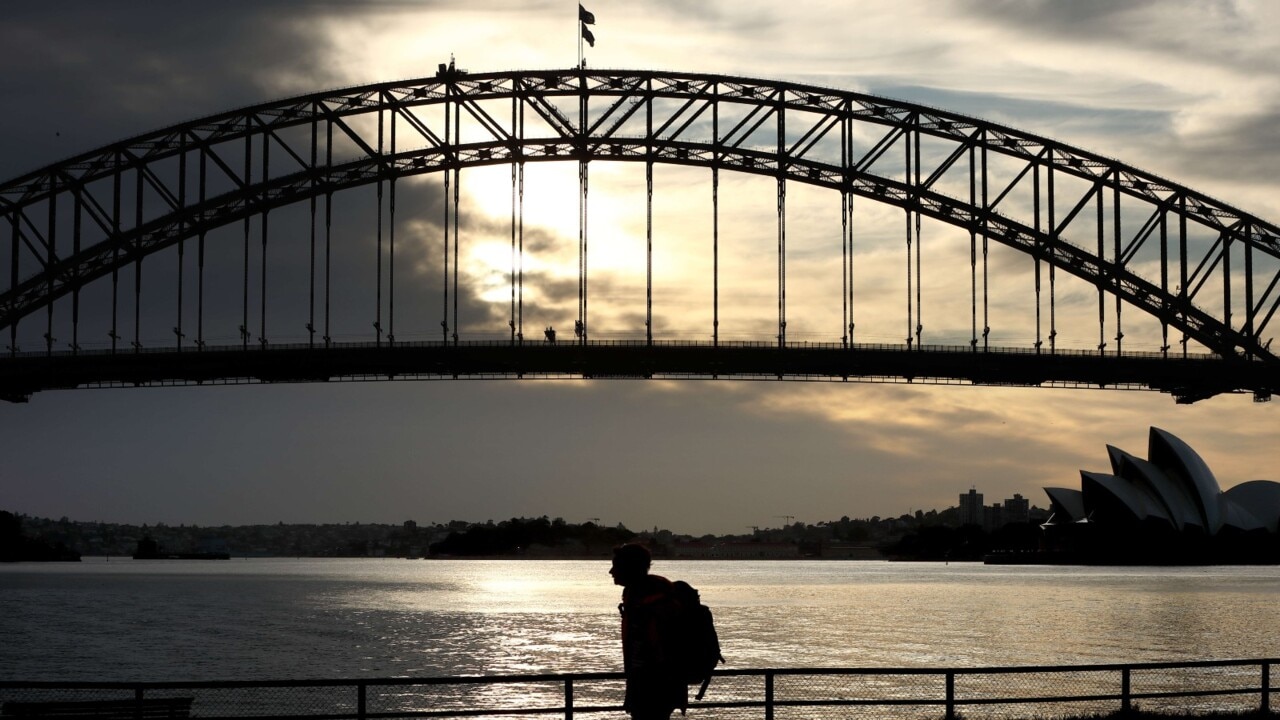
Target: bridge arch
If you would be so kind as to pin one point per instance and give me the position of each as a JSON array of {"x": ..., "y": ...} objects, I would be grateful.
[{"x": 653, "y": 118}]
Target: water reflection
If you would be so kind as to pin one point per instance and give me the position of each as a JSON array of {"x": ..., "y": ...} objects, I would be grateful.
[{"x": 397, "y": 618}]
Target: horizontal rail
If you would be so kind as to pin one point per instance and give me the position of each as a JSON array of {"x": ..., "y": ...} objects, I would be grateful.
[
  {"x": 632, "y": 343},
  {"x": 982, "y": 692}
]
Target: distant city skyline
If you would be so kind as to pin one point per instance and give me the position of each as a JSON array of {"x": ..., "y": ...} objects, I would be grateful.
[
  {"x": 780, "y": 521},
  {"x": 1187, "y": 90},
  {"x": 847, "y": 537}
]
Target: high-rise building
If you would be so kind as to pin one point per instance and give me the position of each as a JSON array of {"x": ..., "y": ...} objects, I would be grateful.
[
  {"x": 971, "y": 507},
  {"x": 1017, "y": 509},
  {"x": 993, "y": 519}
]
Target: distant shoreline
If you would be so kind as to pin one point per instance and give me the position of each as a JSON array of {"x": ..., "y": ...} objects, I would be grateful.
[{"x": 657, "y": 558}]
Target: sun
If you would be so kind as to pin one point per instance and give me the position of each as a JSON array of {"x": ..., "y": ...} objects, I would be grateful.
[{"x": 616, "y": 242}]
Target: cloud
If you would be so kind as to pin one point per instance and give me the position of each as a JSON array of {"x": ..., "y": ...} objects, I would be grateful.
[
  {"x": 1180, "y": 28},
  {"x": 1186, "y": 89},
  {"x": 103, "y": 72},
  {"x": 1084, "y": 19},
  {"x": 1235, "y": 148}
]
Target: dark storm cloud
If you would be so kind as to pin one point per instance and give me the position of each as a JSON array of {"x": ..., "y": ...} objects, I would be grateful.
[
  {"x": 1208, "y": 30},
  {"x": 1235, "y": 148},
  {"x": 1078, "y": 18},
  {"x": 104, "y": 71},
  {"x": 1134, "y": 21}
]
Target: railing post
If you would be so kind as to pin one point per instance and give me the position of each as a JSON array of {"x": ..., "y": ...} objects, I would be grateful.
[
  {"x": 1266, "y": 687},
  {"x": 361, "y": 699},
  {"x": 568, "y": 698},
  {"x": 951, "y": 695},
  {"x": 1125, "y": 705},
  {"x": 768, "y": 695},
  {"x": 137, "y": 703}
]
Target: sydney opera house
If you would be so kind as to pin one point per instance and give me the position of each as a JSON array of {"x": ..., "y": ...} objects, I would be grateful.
[{"x": 1167, "y": 508}]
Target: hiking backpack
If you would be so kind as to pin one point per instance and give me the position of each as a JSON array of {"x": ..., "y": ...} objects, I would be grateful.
[{"x": 695, "y": 645}]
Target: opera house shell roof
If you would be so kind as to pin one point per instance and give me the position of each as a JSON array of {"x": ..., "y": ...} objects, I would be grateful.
[{"x": 1172, "y": 487}]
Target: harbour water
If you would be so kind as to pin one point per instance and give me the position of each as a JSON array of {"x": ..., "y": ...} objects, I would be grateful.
[{"x": 252, "y": 619}]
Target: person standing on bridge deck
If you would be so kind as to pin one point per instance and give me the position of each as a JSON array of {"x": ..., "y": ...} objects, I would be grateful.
[{"x": 654, "y": 687}]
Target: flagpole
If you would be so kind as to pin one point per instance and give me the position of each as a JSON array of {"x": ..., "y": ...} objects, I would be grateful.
[{"x": 585, "y": 18}]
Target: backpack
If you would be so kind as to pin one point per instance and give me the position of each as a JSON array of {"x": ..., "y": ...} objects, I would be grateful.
[{"x": 694, "y": 645}]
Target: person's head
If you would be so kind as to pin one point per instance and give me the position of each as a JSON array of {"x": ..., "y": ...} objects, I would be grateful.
[{"x": 630, "y": 564}]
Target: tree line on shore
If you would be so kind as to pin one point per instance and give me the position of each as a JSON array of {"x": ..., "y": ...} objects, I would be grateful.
[
  {"x": 922, "y": 536},
  {"x": 16, "y": 546}
]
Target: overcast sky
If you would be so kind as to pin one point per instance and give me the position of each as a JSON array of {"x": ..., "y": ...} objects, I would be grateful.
[{"x": 1187, "y": 89}]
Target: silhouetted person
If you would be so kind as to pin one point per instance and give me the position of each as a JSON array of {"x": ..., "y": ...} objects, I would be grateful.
[{"x": 654, "y": 688}]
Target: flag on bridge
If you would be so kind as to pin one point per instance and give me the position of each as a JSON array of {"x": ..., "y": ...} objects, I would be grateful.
[{"x": 585, "y": 18}]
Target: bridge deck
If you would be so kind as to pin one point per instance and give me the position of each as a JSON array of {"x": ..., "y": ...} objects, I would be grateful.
[{"x": 1187, "y": 378}]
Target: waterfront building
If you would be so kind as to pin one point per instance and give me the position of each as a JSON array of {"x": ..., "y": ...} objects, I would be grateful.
[{"x": 1165, "y": 508}]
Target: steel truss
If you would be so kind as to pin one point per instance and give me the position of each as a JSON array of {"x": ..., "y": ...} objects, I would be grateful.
[{"x": 174, "y": 186}]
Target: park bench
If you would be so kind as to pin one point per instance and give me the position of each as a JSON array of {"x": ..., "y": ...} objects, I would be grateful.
[{"x": 170, "y": 708}]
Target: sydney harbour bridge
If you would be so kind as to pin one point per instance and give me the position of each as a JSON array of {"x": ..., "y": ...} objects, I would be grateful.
[{"x": 223, "y": 250}]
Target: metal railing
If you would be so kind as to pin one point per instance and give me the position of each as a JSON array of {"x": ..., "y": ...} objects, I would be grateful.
[
  {"x": 1184, "y": 688},
  {"x": 498, "y": 340}
]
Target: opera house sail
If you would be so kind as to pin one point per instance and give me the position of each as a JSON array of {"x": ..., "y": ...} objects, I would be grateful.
[{"x": 1165, "y": 509}]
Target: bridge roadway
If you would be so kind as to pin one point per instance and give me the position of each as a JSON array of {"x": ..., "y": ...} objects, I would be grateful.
[{"x": 1188, "y": 379}]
